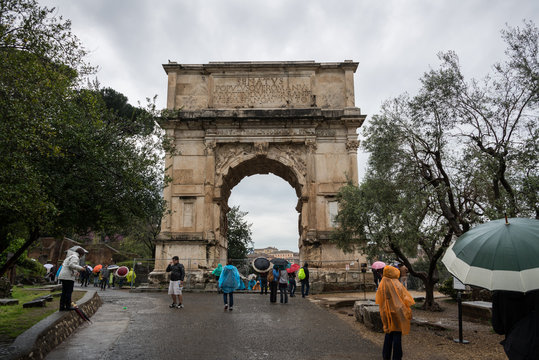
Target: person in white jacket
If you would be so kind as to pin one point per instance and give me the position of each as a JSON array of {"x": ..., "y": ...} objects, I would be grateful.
[{"x": 70, "y": 267}]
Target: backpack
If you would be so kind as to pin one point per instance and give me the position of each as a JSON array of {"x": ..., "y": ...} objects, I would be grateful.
[
  {"x": 270, "y": 276},
  {"x": 301, "y": 274}
]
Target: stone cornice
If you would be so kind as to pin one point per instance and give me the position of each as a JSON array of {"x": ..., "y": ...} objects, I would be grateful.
[{"x": 258, "y": 65}]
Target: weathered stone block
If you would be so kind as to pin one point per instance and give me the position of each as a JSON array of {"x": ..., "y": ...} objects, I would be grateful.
[
  {"x": 35, "y": 303},
  {"x": 4, "y": 302},
  {"x": 477, "y": 310},
  {"x": 331, "y": 277},
  {"x": 371, "y": 317},
  {"x": 357, "y": 308}
]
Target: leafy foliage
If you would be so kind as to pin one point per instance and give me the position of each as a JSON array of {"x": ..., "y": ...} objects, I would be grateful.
[
  {"x": 456, "y": 154},
  {"x": 239, "y": 234},
  {"x": 72, "y": 158}
]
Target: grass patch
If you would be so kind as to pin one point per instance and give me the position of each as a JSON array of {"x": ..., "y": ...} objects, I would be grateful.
[{"x": 14, "y": 320}]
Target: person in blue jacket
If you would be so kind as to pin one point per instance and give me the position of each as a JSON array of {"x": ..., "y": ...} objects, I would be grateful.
[{"x": 229, "y": 281}]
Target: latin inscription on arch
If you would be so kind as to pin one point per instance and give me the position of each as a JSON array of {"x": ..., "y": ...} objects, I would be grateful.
[{"x": 262, "y": 91}]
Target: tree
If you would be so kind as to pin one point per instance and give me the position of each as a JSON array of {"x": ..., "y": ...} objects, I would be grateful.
[
  {"x": 72, "y": 159},
  {"x": 456, "y": 154},
  {"x": 238, "y": 234}
]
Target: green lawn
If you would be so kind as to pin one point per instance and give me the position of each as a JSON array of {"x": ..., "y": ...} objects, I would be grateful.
[{"x": 14, "y": 320}]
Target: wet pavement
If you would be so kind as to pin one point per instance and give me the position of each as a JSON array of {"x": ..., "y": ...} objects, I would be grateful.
[{"x": 142, "y": 326}]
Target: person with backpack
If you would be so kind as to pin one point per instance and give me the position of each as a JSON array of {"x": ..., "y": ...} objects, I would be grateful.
[
  {"x": 283, "y": 285},
  {"x": 229, "y": 281},
  {"x": 273, "y": 279},
  {"x": 175, "y": 286},
  {"x": 303, "y": 276},
  {"x": 292, "y": 282}
]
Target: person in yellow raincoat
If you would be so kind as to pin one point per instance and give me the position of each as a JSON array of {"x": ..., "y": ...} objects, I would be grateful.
[
  {"x": 131, "y": 276},
  {"x": 395, "y": 310}
]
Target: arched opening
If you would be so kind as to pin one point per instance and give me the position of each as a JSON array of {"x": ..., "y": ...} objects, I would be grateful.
[
  {"x": 270, "y": 205},
  {"x": 260, "y": 165}
]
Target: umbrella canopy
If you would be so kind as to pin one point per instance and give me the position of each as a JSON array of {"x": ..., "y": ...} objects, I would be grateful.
[
  {"x": 122, "y": 271},
  {"x": 97, "y": 268},
  {"x": 48, "y": 266},
  {"x": 378, "y": 265},
  {"x": 280, "y": 263},
  {"x": 293, "y": 268},
  {"x": 497, "y": 255},
  {"x": 113, "y": 267},
  {"x": 261, "y": 264}
]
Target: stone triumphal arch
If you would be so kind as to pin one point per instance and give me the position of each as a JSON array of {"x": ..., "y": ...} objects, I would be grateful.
[{"x": 297, "y": 120}]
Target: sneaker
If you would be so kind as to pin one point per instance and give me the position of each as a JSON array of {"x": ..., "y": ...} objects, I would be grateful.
[
  {"x": 230, "y": 308},
  {"x": 173, "y": 305},
  {"x": 180, "y": 306},
  {"x": 226, "y": 307}
]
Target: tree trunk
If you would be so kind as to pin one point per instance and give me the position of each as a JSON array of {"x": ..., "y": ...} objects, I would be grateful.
[
  {"x": 429, "y": 303},
  {"x": 34, "y": 235}
]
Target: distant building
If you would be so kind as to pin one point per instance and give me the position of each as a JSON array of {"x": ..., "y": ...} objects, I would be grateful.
[{"x": 272, "y": 253}]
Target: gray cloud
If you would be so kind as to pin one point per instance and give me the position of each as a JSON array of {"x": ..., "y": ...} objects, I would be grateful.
[{"x": 395, "y": 42}]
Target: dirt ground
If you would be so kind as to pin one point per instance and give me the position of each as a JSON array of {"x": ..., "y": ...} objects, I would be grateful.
[{"x": 428, "y": 344}]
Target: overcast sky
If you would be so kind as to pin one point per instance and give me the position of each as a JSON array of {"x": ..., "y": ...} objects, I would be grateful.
[{"x": 394, "y": 41}]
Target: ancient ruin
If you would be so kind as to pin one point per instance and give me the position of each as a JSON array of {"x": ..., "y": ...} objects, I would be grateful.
[{"x": 297, "y": 120}]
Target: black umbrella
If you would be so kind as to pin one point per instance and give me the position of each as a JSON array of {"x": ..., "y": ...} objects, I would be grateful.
[
  {"x": 261, "y": 264},
  {"x": 280, "y": 263}
]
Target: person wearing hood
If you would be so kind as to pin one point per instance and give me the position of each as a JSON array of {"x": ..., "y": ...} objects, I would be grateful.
[
  {"x": 131, "y": 276},
  {"x": 229, "y": 281},
  {"x": 395, "y": 310},
  {"x": 217, "y": 273},
  {"x": 70, "y": 268}
]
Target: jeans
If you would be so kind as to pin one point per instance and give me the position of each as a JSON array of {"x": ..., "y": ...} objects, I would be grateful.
[
  {"x": 283, "y": 289},
  {"x": 67, "y": 290},
  {"x": 273, "y": 291},
  {"x": 230, "y": 298},
  {"x": 104, "y": 283},
  {"x": 292, "y": 288},
  {"x": 305, "y": 288},
  {"x": 393, "y": 339},
  {"x": 264, "y": 285}
]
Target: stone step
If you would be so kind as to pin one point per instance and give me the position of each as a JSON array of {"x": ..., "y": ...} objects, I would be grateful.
[
  {"x": 35, "y": 303},
  {"x": 4, "y": 302}
]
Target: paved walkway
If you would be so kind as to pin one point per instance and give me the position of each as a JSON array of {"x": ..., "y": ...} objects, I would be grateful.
[{"x": 141, "y": 326}]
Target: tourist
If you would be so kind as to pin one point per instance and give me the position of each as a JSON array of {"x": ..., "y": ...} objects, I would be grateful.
[
  {"x": 104, "y": 277},
  {"x": 70, "y": 268},
  {"x": 84, "y": 276},
  {"x": 251, "y": 284},
  {"x": 130, "y": 277},
  {"x": 52, "y": 274},
  {"x": 377, "y": 274},
  {"x": 96, "y": 278},
  {"x": 403, "y": 275},
  {"x": 292, "y": 282},
  {"x": 304, "y": 280},
  {"x": 283, "y": 285},
  {"x": 229, "y": 281},
  {"x": 273, "y": 279},
  {"x": 217, "y": 272},
  {"x": 264, "y": 283},
  {"x": 395, "y": 311},
  {"x": 516, "y": 315},
  {"x": 177, "y": 274}
]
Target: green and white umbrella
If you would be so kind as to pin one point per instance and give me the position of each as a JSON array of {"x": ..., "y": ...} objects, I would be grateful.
[{"x": 498, "y": 255}]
